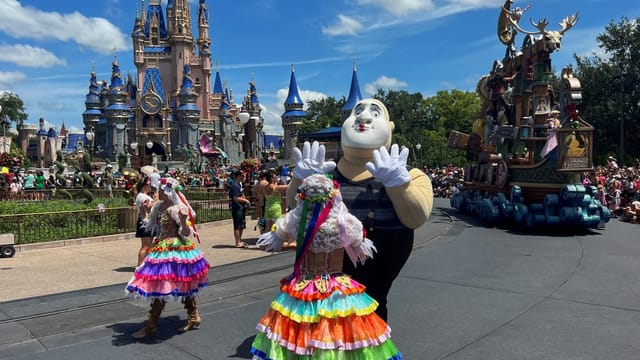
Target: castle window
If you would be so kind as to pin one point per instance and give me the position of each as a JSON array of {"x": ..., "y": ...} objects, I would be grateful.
[{"x": 154, "y": 36}]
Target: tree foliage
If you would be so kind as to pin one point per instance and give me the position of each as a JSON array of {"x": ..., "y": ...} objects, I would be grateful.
[
  {"x": 322, "y": 113},
  {"x": 13, "y": 108},
  {"x": 611, "y": 93},
  {"x": 417, "y": 120}
]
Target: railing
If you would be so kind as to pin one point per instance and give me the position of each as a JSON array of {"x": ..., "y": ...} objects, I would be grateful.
[{"x": 45, "y": 227}]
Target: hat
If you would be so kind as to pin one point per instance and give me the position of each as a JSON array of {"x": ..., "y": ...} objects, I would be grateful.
[
  {"x": 555, "y": 111},
  {"x": 236, "y": 173},
  {"x": 109, "y": 166}
]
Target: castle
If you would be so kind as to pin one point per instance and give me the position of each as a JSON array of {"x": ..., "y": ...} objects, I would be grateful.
[{"x": 169, "y": 110}]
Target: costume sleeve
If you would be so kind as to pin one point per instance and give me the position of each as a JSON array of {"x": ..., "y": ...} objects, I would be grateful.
[
  {"x": 413, "y": 201},
  {"x": 292, "y": 191},
  {"x": 361, "y": 247}
]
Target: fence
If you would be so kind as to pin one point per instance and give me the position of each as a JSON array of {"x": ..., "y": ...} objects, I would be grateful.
[{"x": 63, "y": 225}]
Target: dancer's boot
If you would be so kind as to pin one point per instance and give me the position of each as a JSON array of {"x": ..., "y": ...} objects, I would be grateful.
[
  {"x": 193, "y": 317},
  {"x": 150, "y": 324}
]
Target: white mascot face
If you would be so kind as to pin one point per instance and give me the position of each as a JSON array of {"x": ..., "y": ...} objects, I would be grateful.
[{"x": 368, "y": 126}]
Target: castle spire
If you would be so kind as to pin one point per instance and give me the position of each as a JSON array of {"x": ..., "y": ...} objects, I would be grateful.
[
  {"x": 354, "y": 94},
  {"x": 217, "y": 84},
  {"x": 294, "y": 99}
]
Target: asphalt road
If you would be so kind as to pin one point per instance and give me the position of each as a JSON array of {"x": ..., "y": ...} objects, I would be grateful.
[{"x": 467, "y": 292}]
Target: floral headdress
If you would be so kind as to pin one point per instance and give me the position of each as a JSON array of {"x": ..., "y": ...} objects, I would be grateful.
[
  {"x": 318, "y": 189},
  {"x": 173, "y": 190}
]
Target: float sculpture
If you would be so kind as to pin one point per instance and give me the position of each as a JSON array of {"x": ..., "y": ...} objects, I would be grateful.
[{"x": 530, "y": 146}]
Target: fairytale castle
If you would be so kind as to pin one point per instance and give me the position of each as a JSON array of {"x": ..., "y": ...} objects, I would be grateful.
[{"x": 170, "y": 109}]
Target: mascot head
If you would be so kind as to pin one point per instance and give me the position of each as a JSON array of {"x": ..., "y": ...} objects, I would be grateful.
[{"x": 368, "y": 126}]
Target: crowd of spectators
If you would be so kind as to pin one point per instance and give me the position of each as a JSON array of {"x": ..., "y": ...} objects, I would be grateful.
[
  {"x": 617, "y": 185},
  {"x": 617, "y": 188}
]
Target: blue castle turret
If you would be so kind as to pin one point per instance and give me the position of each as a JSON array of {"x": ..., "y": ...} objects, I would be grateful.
[
  {"x": 354, "y": 95},
  {"x": 292, "y": 116},
  {"x": 188, "y": 112}
]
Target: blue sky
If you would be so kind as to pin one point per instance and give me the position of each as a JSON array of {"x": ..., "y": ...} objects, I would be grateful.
[{"x": 47, "y": 47}]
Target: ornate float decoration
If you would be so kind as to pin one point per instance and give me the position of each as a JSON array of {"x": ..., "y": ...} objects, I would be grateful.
[{"x": 529, "y": 146}]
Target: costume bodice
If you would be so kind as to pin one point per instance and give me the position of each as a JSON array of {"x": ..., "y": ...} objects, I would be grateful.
[
  {"x": 169, "y": 226},
  {"x": 315, "y": 263}
]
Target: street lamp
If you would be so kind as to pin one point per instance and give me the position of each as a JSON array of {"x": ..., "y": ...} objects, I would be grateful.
[{"x": 419, "y": 148}]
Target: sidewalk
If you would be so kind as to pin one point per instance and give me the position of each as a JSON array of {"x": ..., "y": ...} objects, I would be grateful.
[{"x": 61, "y": 266}]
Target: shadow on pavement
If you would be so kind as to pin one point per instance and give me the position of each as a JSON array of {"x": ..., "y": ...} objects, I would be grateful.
[
  {"x": 243, "y": 350},
  {"x": 167, "y": 328}
]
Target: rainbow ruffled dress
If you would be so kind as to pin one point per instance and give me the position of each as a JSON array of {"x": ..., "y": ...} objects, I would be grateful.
[
  {"x": 173, "y": 267},
  {"x": 323, "y": 315}
]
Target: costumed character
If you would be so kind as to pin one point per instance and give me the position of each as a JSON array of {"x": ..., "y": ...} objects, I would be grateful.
[
  {"x": 552, "y": 140},
  {"x": 389, "y": 199},
  {"x": 320, "y": 312},
  {"x": 173, "y": 267}
]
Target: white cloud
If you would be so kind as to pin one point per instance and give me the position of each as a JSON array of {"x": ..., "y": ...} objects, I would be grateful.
[
  {"x": 30, "y": 56},
  {"x": 346, "y": 26},
  {"x": 384, "y": 83},
  {"x": 8, "y": 78},
  {"x": 400, "y": 7},
  {"x": 92, "y": 33},
  {"x": 273, "y": 117}
]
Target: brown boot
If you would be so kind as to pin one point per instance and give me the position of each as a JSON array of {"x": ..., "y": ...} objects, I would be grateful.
[
  {"x": 193, "y": 317},
  {"x": 150, "y": 324}
]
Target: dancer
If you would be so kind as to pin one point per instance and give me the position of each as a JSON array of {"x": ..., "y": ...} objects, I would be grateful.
[
  {"x": 321, "y": 313},
  {"x": 173, "y": 267},
  {"x": 389, "y": 199}
]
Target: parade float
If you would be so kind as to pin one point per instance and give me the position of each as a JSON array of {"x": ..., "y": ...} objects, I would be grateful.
[{"x": 530, "y": 146}]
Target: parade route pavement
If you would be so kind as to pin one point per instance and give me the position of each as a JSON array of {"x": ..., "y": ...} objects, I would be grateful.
[
  {"x": 468, "y": 292},
  {"x": 61, "y": 266}
]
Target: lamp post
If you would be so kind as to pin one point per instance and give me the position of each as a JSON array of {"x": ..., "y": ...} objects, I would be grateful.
[{"x": 419, "y": 148}]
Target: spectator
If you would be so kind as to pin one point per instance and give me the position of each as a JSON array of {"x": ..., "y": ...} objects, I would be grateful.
[
  {"x": 239, "y": 205},
  {"x": 273, "y": 193},
  {"x": 145, "y": 199},
  {"x": 258, "y": 193}
]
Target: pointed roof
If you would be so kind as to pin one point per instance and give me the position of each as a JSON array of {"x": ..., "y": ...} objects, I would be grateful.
[
  {"x": 217, "y": 84},
  {"x": 93, "y": 96},
  {"x": 252, "y": 91},
  {"x": 354, "y": 92},
  {"x": 294, "y": 96},
  {"x": 116, "y": 78},
  {"x": 154, "y": 10}
]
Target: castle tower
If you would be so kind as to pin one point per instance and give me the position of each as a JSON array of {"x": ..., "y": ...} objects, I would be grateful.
[
  {"x": 91, "y": 116},
  {"x": 188, "y": 113},
  {"x": 163, "y": 119},
  {"x": 292, "y": 116},
  {"x": 252, "y": 143},
  {"x": 354, "y": 95},
  {"x": 117, "y": 114}
]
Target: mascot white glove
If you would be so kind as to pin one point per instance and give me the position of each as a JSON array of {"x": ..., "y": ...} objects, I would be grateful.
[
  {"x": 311, "y": 161},
  {"x": 390, "y": 169}
]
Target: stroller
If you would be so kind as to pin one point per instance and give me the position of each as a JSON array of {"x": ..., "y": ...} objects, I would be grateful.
[{"x": 6, "y": 245}]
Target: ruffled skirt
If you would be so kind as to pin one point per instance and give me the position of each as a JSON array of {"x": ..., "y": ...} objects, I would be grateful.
[
  {"x": 323, "y": 317},
  {"x": 172, "y": 268}
]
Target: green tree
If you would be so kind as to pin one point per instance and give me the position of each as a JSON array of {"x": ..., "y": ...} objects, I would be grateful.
[
  {"x": 611, "y": 93},
  {"x": 322, "y": 113},
  {"x": 13, "y": 108}
]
